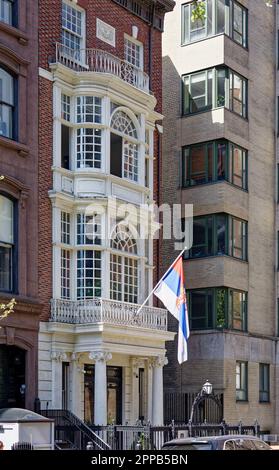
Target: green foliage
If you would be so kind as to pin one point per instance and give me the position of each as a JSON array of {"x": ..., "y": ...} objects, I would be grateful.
[{"x": 198, "y": 13}]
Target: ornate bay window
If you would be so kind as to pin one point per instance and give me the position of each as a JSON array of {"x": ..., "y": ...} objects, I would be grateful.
[{"x": 89, "y": 274}]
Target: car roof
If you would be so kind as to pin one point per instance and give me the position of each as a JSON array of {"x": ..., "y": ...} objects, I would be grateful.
[{"x": 207, "y": 439}]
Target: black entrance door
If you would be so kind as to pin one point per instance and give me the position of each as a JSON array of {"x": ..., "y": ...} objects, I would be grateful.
[
  {"x": 12, "y": 377},
  {"x": 114, "y": 394}
]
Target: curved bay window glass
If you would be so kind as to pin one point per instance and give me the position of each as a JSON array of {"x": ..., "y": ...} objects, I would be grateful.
[
  {"x": 123, "y": 268},
  {"x": 218, "y": 307},
  {"x": 214, "y": 88},
  {"x": 7, "y": 244},
  {"x": 7, "y": 104},
  {"x": 124, "y": 160},
  {"x": 214, "y": 161},
  {"x": 221, "y": 16}
]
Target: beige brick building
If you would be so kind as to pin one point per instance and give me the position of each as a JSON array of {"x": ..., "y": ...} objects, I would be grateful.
[{"x": 219, "y": 154}]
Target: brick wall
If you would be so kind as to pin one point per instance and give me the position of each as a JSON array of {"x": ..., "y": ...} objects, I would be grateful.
[{"x": 49, "y": 34}]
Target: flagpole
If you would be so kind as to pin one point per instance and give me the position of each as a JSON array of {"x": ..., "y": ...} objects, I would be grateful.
[{"x": 151, "y": 293}]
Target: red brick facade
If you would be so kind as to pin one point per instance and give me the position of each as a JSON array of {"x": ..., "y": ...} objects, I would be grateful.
[
  {"x": 49, "y": 33},
  {"x": 19, "y": 165}
]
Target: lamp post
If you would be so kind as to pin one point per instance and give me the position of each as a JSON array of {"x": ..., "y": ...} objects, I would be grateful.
[{"x": 205, "y": 391}]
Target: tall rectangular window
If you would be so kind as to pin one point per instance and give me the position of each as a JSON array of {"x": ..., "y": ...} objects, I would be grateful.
[
  {"x": 65, "y": 274},
  {"x": 8, "y": 12},
  {"x": 8, "y": 266},
  {"x": 264, "y": 383},
  {"x": 221, "y": 16},
  {"x": 238, "y": 239},
  {"x": 7, "y": 105},
  {"x": 133, "y": 52},
  {"x": 72, "y": 27},
  {"x": 65, "y": 228},
  {"x": 237, "y": 310},
  {"x": 214, "y": 88},
  {"x": 89, "y": 274},
  {"x": 238, "y": 94},
  {"x": 241, "y": 372}
]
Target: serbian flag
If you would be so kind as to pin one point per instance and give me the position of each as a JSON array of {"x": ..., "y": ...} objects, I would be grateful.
[{"x": 171, "y": 292}]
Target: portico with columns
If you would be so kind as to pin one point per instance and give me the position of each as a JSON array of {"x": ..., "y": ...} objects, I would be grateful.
[{"x": 112, "y": 375}]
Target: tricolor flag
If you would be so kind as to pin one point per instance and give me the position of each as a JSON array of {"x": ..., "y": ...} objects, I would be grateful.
[{"x": 171, "y": 292}]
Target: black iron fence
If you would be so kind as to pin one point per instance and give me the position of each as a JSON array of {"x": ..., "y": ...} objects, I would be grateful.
[
  {"x": 178, "y": 406},
  {"x": 153, "y": 437}
]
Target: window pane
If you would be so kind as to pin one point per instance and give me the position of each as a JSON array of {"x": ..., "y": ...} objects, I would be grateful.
[
  {"x": 185, "y": 24},
  {"x": 198, "y": 170},
  {"x": 221, "y": 81},
  {"x": 197, "y": 27},
  {"x": 6, "y": 87},
  {"x": 199, "y": 238},
  {"x": 6, "y": 11},
  {"x": 5, "y": 268},
  {"x": 238, "y": 23},
  {"x": 221, "y": 226},
  {"x": 199, "y": 309},
  {"x": 6, "y": 220},
  {"x": 89, "y": 148},
  {"x": 209, "y": 17},
  {"x": 133, "y": 53},
  {"x": 89, "y": 109},
  {"x": 220, "y": 16},
  {"x": 198, "y": 97},
  {"x": 88, "y": 274},
  {"x": 209, "y": 162},
  {"x": 221, "y": 161},
  {"x": 220, "y": 306},
  {"x": 238, "y": 163},
  {"x": 65, "y": 274},
  {"x": 237, "y": 242}
]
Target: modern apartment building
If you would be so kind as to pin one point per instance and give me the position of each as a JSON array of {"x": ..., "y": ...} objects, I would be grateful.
[
  {"x": 100, "y": 99},
  {"x": 18, "y": 202},
  {"x": 219, "y": 155}
]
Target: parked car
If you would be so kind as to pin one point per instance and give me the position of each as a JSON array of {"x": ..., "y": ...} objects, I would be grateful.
[{"x": 228, "y": 442}]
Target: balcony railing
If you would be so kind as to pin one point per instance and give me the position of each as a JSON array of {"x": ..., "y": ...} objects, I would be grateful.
[
  {"x": 96, "y": 60},
  {"x": 107, "y": 311}
]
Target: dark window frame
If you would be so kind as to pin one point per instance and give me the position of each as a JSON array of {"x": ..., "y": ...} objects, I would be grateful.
[
  {"x": 242, "y": 391},
  {"x": 264, "y": 385},
  {"x": 217, "y": 319},
  {"x": 14, "y": 106},
  {"x": 14, "y": 248},
  {"x": 187, "y": 174},
  {"x": 14, "y": 5}
]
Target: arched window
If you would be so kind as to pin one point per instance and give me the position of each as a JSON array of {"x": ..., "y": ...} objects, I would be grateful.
[
  {"x": 123, "y": 148},
  {"x": 123, "y": 268},
  {"x": 7, "y": 104},
  {"x": 7, "y": 246}
]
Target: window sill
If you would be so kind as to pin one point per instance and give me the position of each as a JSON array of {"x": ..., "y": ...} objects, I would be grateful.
[
  {"x": 264, "y": 402},
  {"x": 213, "y": 109},
  {"x": 15, "y": 32},
  {"x": 21, "y": 149},
  {"x": 216, "y": 256},
  {"x": 214, "y": 36},
  {"x": 209, "y": 183},
  {"x": 242, "y": 401}
]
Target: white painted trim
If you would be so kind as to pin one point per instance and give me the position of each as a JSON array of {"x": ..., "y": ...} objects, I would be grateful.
[{"x": 46, "y": 74}]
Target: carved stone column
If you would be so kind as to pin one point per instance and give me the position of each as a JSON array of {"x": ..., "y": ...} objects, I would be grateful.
[
  {"x": 157, "y": 390},
  {"x": 100, "y": 386},
  {"x": 76, "y": 370}
]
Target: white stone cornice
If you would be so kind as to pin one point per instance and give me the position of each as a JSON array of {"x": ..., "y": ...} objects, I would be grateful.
[{"x": 100, "y": 356}]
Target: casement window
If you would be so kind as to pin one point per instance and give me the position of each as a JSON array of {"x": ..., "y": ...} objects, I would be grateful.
[
  {"x": 8, "y": 84},
  {"x": 218, "y": 307},
  {"x": 241, "y": 373},
  {"x": 89, "y": 148},
  {"x": 214, "y": 161},
  {"x": 133, "y": 52},
  {"x": 264, "y": 383},
  {"x": 124, "y": 159},
  {"x": 123, "y": 268},
  {"x": 65, "y": 228},
  {"x": 221, "y": 16},
  {"x": 8, "y": 262},
  {"x": 219, "y": 234},
  {"x": 73, "y": 27},
  {"x": 89, "y": 274},
  {"x": 89, "y": 229},
  {"x": 8, "y": 10},
  {"x": 214, "y": 88},
  {"x": 65, "y": 274}
]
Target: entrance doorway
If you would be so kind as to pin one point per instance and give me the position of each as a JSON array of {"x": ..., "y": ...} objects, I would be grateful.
[
  {"x": 12, "y": 377},
  {"x": 114, "y": 394}
]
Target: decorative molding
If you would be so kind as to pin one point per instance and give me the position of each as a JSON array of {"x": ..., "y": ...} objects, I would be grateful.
[
  {"x": 45, "y": 74},
  {"x": 100, "y": 356},
  {"x": 159, "y": 361},
  {"x": 22, "y": 149},
  {"x": 105, "y": 32},
  {"x": 15, "y": 32},
  {"x": 58, "y": 356}
]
